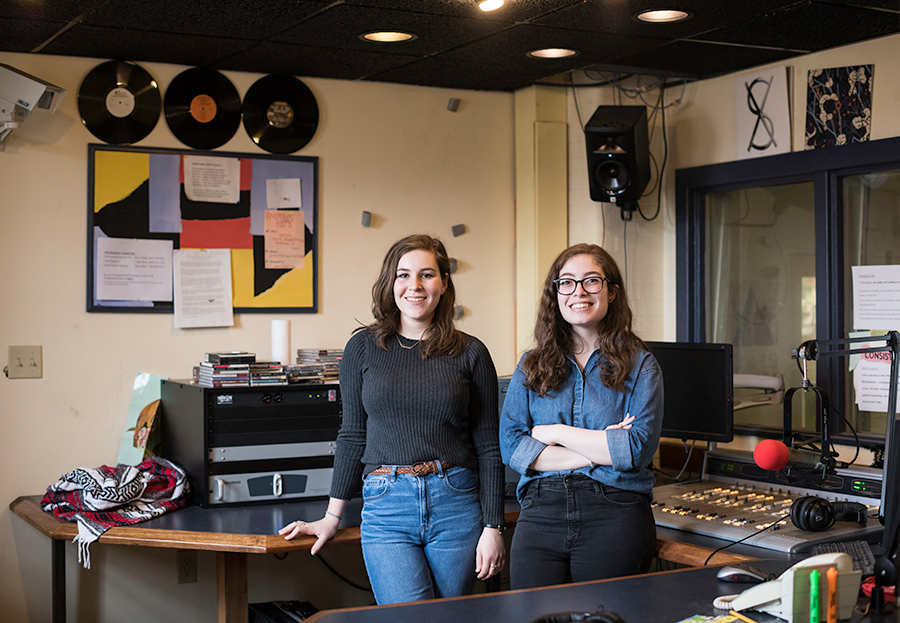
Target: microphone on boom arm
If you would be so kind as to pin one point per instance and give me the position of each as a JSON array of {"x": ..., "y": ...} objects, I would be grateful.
[{"x": 775, "y": 455}]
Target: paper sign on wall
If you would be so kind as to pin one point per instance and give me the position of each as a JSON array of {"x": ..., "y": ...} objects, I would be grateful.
[
  {"x": 134, "y": 270},
  {"x": 285, "y": 239},
  {"x": 203, "y": 288},
  {"x": 212, "y": 179}
]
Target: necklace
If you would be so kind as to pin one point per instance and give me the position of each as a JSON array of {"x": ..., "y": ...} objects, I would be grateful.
[{"x": 407, "y": 347}]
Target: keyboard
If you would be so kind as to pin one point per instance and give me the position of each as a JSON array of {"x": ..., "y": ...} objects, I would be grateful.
[{"x": 859, "y": 551}]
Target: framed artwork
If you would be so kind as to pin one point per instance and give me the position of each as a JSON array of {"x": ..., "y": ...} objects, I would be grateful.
[
  {"x": 838, "y": 106},
  {"x": 146, "y": 203},
  {"x": 762, "y": 115}
]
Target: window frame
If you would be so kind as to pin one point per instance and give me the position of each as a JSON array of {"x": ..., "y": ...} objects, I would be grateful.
[{"x": 825, "y": 168}]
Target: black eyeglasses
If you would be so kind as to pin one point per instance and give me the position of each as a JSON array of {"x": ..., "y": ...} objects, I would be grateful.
[{"x": 591, "y": 285}]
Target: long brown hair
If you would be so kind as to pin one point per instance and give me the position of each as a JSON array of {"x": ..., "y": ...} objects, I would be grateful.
[
  {"x": 441, "y": 337},
  {"x": 545, "y": 366}
]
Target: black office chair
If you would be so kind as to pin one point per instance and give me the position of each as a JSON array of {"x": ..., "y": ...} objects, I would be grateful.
[{"x": 601, "y": 616}]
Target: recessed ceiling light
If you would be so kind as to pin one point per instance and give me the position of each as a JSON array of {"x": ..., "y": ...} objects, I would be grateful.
[
  {"x": 490, "y": 5},
  {"x": 662, "y": 16},
  {"x": 552, "y": 53},
  {"x": 387, "y": 36}
]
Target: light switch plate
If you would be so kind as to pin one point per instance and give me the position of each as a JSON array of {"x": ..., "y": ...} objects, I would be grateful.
[{"x": 25, "y": 362}]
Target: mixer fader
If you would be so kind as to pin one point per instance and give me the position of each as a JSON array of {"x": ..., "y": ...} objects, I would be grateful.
[
  {"x": 732, "y": 505},
  {"x": 734, "y": 508}
]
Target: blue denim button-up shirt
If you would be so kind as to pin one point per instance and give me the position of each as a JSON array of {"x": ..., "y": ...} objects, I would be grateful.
[{"x": 585, "y": 402}]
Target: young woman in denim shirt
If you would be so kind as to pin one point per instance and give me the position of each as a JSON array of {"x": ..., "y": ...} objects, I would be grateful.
[
  {"x": 581, "y": 422},
  {"x": 420, "y": 425}
]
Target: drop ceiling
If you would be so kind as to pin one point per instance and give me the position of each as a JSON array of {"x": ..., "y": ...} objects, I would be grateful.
[{"x": 456, "y": 45}]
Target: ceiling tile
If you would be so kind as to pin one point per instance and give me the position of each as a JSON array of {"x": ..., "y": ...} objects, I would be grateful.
[
  {"x": 21, "y": 35},
  {"x": 342, "y": 25},
  {"x": 454, "y": 73},
  {"x": 215, "y": 18},
  {"x": 130, "y": 45},
  {"x": 510, "y": 47},
  {"x": 693, "y": 60},
  {"x": 809, "y": 26},
  {"x": 50, "y": 10},
  {"x": 618, "y": 17},
  {"x": 457, "y": 45},
  {"x": 512, "y": 11},
  {"x": 302, "y": 60}
]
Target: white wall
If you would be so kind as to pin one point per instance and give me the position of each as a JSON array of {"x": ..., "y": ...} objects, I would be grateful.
[{"x": 390, "y": 149}]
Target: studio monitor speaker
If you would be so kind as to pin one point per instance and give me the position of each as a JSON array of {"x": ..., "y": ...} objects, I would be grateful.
[{"x": 618, "y": 152}]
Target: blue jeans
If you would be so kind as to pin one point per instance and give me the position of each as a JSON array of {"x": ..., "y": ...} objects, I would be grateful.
[
  {"x": 575, "y": 529},
  {"x": 419, "y": 534}
]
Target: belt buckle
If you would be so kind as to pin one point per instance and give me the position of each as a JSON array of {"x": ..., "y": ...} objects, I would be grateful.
[{"x": 422, "y": 468}]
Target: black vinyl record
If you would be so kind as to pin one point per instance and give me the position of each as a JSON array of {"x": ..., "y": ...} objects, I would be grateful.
[
  {"x": 280, "y": 114},
  {"x": 203, "y": 108},
  {"x": 119, "y": 102}
]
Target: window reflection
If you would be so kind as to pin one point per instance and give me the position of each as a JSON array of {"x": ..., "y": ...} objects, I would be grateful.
[
  {"x": 871, "y": 221},
  {"x": 760, "y": 285}
]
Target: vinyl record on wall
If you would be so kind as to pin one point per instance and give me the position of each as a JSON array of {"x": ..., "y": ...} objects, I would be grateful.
[
  {"x": 202, "y": 108},
  {"x": 280, "y": 113},
  {"x": 119, "y": 102}
]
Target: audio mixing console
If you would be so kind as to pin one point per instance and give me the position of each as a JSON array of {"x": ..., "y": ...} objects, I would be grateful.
[{"x": 736, "y": 499}]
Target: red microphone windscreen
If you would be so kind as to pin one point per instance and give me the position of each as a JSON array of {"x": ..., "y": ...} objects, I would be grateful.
[{"x": 771, "y": 454}]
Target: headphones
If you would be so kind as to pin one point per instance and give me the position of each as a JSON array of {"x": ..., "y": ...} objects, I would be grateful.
[
  {"x": 601, "y": 616},
  {"x": 814, "y": 514}
]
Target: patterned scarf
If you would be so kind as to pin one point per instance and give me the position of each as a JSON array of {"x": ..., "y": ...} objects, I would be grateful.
[{"x": 99, "y": 499}]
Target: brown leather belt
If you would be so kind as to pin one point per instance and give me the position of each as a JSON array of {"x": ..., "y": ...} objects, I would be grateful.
[{"x": 422, "y": 468}]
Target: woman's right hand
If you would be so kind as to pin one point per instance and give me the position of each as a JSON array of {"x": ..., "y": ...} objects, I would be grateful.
[
  {"x": 625, "y": 423},
  {"x": 322, "y": 529}
]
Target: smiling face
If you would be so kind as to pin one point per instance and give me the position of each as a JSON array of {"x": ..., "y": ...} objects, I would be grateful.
[
  {"x": 418, "y": 286},
  {"x": 581, "y": 310}
]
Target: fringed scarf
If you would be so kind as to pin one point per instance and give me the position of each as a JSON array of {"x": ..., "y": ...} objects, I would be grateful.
[{"x": 99, "y": 499}]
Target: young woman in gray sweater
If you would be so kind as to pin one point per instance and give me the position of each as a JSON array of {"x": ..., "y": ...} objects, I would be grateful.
[{"x": 420, "y": 427}]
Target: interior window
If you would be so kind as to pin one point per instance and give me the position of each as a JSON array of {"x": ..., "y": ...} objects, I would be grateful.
[
  {"x": 764, "y": 252},
  {"x": 760, "y": 285},
  {"x": 871, "y": 238}
]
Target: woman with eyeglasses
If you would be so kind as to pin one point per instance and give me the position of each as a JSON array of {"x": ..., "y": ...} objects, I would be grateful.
[
  {"x": 420, "y": 428},
  {"x": 581, "y": 422}
]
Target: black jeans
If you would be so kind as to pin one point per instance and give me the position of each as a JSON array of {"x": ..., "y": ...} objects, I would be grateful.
[{"x": 575, "y": 529}]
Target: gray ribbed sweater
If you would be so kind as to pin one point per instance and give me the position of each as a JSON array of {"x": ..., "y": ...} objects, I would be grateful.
[{"x": 400, "y": 409}]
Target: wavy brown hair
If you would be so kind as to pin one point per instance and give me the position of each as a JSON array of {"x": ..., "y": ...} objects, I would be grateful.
[
  {"x": 442, "y": 337},
  {"x": 545, "y": 366}
]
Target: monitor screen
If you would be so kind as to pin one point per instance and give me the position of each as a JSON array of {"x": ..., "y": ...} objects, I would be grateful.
[{"x": 698, "y": 381}]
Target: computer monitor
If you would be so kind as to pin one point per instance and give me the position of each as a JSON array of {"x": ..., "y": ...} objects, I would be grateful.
[{"x": 698, "y": 381}]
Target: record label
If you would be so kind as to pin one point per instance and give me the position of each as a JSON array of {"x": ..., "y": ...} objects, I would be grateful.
[
  {"x": 119, "y": 102},
  {"x": 203, "y": 109},
  {"x": 280, "y": 113}
]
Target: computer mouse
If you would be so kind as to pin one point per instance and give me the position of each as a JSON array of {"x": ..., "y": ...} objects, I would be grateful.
[{"x": 741, "y": 573}]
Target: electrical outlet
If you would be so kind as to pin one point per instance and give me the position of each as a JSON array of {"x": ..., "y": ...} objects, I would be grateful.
[
  {"x": 25, "y": 362},
  {"x": 186, "y": 563}
]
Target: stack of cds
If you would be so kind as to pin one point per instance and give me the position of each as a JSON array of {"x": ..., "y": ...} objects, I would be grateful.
[
  {"x": 230, "y": 356},
  {"x": 315, "y": 366},
  {"x": 264, "y": 373},
  {"x": 225, "y": 369}
]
